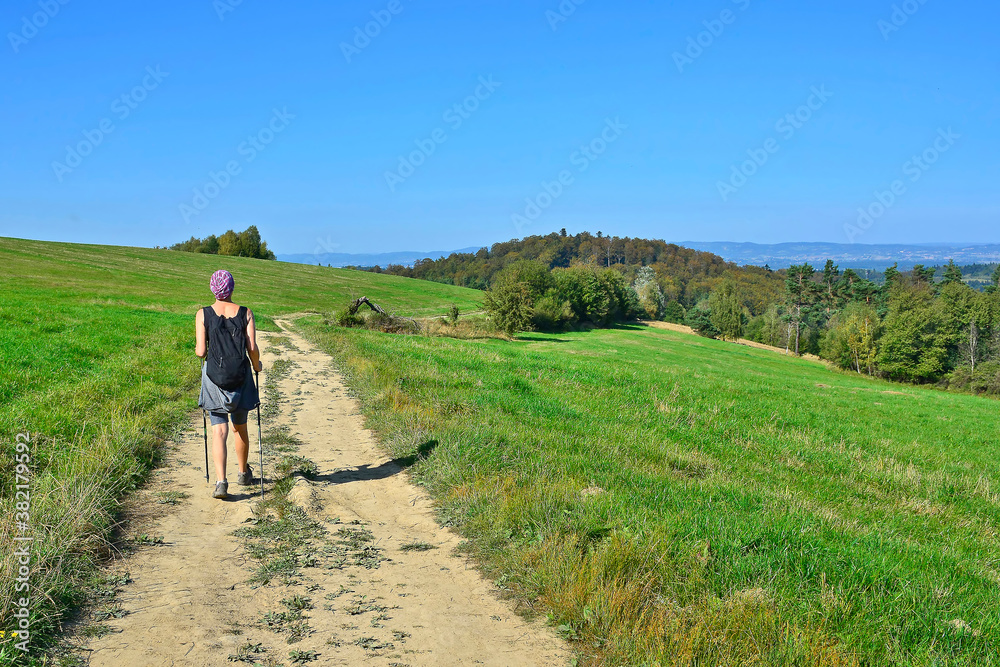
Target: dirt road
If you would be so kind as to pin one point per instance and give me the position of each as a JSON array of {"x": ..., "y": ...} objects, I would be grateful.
[
  {"x": 682, "y": 328},
  {"x": 397, "y": 595}
]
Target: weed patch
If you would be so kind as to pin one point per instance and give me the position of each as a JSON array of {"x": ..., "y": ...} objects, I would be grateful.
[{"x": 170, "y": 497}]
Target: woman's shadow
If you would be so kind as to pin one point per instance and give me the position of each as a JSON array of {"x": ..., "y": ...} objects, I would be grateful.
[{"x": 366, "y": 473}]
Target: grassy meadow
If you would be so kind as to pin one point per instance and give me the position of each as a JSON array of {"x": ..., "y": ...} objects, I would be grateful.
[
  {"x": 97, "y": 363},
  {"x": 673, "y": 500},
  {"x": 665, "y": 499}
]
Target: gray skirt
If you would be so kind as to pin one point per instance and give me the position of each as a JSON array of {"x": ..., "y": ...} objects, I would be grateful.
[{"x": 215, "y": 399}]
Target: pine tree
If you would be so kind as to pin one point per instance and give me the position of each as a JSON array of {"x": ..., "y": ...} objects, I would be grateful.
[
  {"x": 923, "y": 274},
  {"x": 996, "y": 281},
  {"x": 673, "y": 312},
  {"x": 831, "y": 273},
  {"x": 800, "y": 291},
  {"x": 952, "y": 274},
  {"x": 699, "y": 318}
]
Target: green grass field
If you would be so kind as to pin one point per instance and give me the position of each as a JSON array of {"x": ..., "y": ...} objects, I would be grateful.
[
  {"x": 665, "y": 499},
  {"x": 97, "y": 362},
  {"x": 668, "y": 498}
]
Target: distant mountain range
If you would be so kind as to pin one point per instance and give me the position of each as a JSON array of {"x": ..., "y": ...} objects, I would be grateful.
[
  {"x": 341, "y": 259},
  {"x": 777, "y": 256},
  {"x": 855, "y": 256}
]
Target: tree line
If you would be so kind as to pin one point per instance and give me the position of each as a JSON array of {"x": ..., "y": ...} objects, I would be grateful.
[
  {"x": 233, "y": 244},
  {"x": 529, "y": 295},
  {"x": 910, "y": 327},
  {"x": 670, "y": 278}
]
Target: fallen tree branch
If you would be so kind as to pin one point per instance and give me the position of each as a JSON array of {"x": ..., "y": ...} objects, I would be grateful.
[{"x": 357, "y": 303}]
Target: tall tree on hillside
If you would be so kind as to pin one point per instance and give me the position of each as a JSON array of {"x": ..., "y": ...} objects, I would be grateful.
[
  {"x": 191, "y": 245},
  {"x": 952, "y": 274},
  {"x": 851, "y": 338},
  {"x": 996, "y": 281},
  {"x": 923, "y": 274},
  {"x": 831, "y": 274},
  {"x": 210, "y": 245},
  {"x": 955, "y": 307},
  {"x": 977, "y": 329},
  {"x": 699, "y": 318},
  {"x": 229, "y": 244},
  {"x": 866, "y": 291},
  {"x": 650, "y": 294},
  {"x": 861, "y": 328},
  {"x": 673, "y": 312},
  {"x": 849, "y": 279},
  {"x": 892, "y": 274},
  {"x": 510, "y": 300},
  {"x": 911, "y": 348},
  {"x": 800, "y": 295},
  {"x": 249, "y": 244},
  {"x": 727, "y": 311}
]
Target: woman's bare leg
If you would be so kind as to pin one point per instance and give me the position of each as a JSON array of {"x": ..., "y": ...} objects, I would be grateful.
[
  {"x": 242, "y": 446},
  {"x": 220, "y": 433}
]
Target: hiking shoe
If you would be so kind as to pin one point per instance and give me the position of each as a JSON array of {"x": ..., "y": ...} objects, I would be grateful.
[
  {"x": 245, "y": 478},
  {"x": 221, "y": 490}
]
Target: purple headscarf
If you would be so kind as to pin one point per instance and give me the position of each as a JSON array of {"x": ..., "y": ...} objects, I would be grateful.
[{"x": 222, "y": 284}]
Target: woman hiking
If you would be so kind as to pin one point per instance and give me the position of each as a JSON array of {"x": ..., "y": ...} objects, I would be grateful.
[{"x": 225, "y": 334}]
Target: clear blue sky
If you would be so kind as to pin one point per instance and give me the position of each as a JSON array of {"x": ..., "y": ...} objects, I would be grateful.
[{"x": 321, "y": 183}]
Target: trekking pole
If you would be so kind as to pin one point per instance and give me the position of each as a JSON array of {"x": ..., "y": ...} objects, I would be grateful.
[
  {"x": 260, "y": 440},
  {"x": 204, "y": 425}
]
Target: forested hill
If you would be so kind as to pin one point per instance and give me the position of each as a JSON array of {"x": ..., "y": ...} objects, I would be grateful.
[{"x": 684, "y": 275}]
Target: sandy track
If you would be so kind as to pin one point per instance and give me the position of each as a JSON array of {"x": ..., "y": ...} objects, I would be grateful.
[
  {"x": 190, "y": 595},
  {"x": 682, "y": 328}
]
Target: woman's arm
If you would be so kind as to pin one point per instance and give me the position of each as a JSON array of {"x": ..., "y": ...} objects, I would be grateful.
[
  {"x": 200, "y": 342},
  {"x": 252, "y": 342}
]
